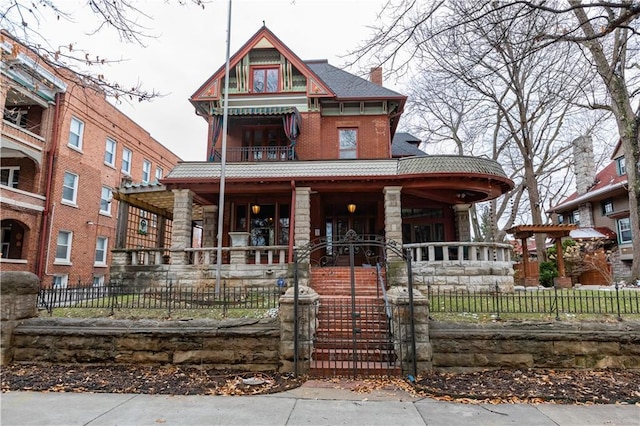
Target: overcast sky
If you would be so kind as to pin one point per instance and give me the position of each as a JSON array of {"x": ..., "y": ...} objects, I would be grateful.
[{"x": 191, "y": 44}]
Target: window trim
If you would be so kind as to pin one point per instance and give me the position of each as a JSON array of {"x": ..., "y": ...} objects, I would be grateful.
[
  {"x": 108, "y": 200},
  {"x": 621, "y": 167},
  {"x": 64, "y": 281},
  {"x": 159, "y": 173},
  {"x": 146, "y": 170},
  {"x": 113, "y": 152},
  {"x": 618, "y": 223},
  {"x": 12, "y": 176},
  {"x": 67, "y": 259},
  {"x": 341, "y": 150},
  {"x": 603, "y": 206},
  {"x": 129, "y": 160},
  {"x": 79, "y": 135},
  {"x": 265, "y": 69},
  {"x": 105, "y": 250},
  {"x": 74, "y": 201}
]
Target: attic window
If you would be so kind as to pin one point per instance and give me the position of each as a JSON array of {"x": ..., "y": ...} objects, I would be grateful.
[
  {"x": 620, "y": 166},
  {"x": 265, "y": 80}
]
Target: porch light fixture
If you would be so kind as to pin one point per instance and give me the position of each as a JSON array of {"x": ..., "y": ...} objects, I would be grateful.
[
  {"x": 351, "y": 207},
  {"x": 255, "y": 208}
]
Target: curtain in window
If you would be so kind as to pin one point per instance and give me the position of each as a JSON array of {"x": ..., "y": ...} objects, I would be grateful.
[
  {"x": 216, "y": 129},
  {"x": 291, "y": 124}
]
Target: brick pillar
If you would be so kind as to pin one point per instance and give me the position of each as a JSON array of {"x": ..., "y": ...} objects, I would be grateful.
[
  {"x": 209, "y": 226},
  {"x": 19, "y": 301},
  {"x": 182, "y": 218},
  {"x": 392, "y": 218},
  {"x": 463, "y": 225},
  {"x": 307, "y": 323},
  {"x": 401, "y": 329}
]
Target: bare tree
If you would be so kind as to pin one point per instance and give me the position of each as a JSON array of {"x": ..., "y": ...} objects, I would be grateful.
[
  {"x": 605, "y": 32},
  {"x": 22, "y": 19}
]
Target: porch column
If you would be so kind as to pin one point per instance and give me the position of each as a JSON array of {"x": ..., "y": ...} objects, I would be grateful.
[
  {"x": 302, "y": 224},
  {"x": 463, "y": 227},
  {"x": 182, "y": 217},
  {"x": 209, "y": 225},
  {"x": 392, "y": 217},
  {"x": 122, "y": 224}
]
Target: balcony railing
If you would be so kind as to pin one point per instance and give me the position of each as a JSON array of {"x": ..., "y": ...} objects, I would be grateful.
[
  {"x": 257, "y": 154},
  {"x": 460, "y": 252}
]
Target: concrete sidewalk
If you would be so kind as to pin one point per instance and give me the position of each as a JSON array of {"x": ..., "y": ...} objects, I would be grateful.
[{"x": 314, "y": 403}]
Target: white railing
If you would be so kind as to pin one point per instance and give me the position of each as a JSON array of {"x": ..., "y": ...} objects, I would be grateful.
[
  {"x": 258, "y": 255},
  {"x": 148, "y": 256},
  {"x": 457, "y": 251}
]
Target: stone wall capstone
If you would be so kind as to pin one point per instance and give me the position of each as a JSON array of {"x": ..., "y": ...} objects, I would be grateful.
[{"x": 19, "y": 299}]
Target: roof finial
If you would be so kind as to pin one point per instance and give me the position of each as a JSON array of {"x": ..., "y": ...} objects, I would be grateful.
[{"x": 264, "y": 24}]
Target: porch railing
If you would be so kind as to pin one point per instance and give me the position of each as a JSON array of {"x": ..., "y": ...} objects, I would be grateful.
[
  {"x": 459, "y": 251},
  {"x": 258, "y": 255},
  {"x": 257, "y": 154}
]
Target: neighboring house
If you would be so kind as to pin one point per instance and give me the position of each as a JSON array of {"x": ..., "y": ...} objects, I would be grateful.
[
  {"x": 64, "y": 149},
  {"x": 600, "y": 206},
  {"x": 309, "y": 157}
]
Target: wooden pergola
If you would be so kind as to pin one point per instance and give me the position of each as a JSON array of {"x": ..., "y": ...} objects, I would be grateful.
[{"x": 557, "y": 232}]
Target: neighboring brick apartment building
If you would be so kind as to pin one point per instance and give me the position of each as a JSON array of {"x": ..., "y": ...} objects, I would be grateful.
[{"x": 63, "y": 149}]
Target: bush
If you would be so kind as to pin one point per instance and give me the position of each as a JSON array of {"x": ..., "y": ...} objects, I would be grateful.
[{"x": 548, "y": 271}]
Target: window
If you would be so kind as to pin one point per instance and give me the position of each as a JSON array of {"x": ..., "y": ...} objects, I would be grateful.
[
  {"x": 70, "y": 187},
  {"x": 146, "y": 171},
  {"x": 348, "y": 142},
  {"x": 575, "y": 217},
  {"x": 607, "y": 207},
  {"x": 98, "y": 280},
  {"x": 110, "y": 152},
  {"x": 624, "y": 230},
  {"x": 621, "y": 167},
  {"x": 159, "y": 173},
  {"x": 9, "y": 176},
  {"x": 60, "y": 281},
  {"x": 126, "y": 160},
  {"x": 105, "y": 200},
  {"x": 75, "y": 133},
  {"x": 63, "y": 246},
  {"x": 265, "y": 80},
  {"x": 101, "y": 250}
]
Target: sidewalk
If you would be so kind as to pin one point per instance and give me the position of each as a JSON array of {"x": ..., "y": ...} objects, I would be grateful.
[{"x": 314, "y": 403}]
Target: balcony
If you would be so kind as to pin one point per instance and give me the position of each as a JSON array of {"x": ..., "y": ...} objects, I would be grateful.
[{"x": 256, "y": 154}]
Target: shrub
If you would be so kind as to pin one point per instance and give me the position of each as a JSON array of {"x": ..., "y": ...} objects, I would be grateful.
[{"x": 548, "y": 271}]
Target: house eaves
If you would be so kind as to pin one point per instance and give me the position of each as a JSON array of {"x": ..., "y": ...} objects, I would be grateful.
[{"x": 589, "y": 196}]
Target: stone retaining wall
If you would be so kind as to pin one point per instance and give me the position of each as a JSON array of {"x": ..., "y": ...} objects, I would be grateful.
[
  {"x": 245, "y": 344},
  {"x": 591, "y": 345}
]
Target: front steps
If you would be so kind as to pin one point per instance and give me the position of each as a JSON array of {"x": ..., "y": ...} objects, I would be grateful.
[{"x": 338, "y": 350}]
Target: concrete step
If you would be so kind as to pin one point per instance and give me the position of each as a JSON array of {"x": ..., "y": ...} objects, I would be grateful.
[{"x": 346, "y": 368}]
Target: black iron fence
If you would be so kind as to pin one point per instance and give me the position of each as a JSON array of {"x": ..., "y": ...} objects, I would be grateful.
[
  {"x": 114, "y": 297},
  {"x": 612, "y": 301}
]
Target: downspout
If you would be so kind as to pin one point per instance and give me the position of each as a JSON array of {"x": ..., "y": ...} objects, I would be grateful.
[
  {"x": 292, "y": 221},
  {"x": 45, "y": 224}
]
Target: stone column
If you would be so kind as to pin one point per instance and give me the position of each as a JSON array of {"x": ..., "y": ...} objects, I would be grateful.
[
  {"x": 393, "y": 218},
  {"x": 302, "y": 230},
  {"x": 401, "y": 329},
  {"x": 463, "y": 225},
  {"x": 209, "y": 226},
  {"x": 182, "y": 218},
  {"x": 307, "y": 324},
  {"x": 19, "y": 301}
]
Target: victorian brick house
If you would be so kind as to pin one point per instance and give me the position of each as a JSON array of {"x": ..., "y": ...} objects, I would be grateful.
[{"x": 64, "y": 149}]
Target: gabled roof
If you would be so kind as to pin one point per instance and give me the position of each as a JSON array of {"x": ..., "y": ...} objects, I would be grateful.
[
  {"x": 348, "y": 86},
  {"x": 262, "y": 38},
  {"x": 606, "y": 181},
  {"x": 405, "y": 144}
]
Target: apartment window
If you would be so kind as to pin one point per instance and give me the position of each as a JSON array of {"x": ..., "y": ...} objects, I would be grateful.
[
  {"x": 101, "y": 251},
  {"x": 75, "y": 133},
  {"x": 624, "y": 230},
  {"x": 265, "y": 80},
  {"x": 60, "y": 281},
  {"x": 159, "y": 173},
  {"x": 63, "y": 246},
  {"x": 621, "y": 167},
  {"x": 607, "y": 207},
  {"x": 9, "y": 176},
  {"x": 70, "y": 187},
  {"x": 146, "y": 171},
  {"x": 126, "y": 160},
  {"x": 348, "y": 142},
  {"x": 98, "y": 280},
  {"x": 575, "y": 217},
  {"x": 110, "y": 152},
  {"x": 105, "y": 200}
]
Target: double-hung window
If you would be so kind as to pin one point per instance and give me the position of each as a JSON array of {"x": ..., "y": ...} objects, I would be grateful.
[
  {"x": 624, "y": 230},
  {"x": 60, "y": 281},
  {"x": 101, "y": 251},
  {"x": 621, "y": 167},
  {"x": 126, "y": 160},
  {"x": 146, "y": 171},
  {"x": 70, "y": 188},
  {"x": 75, "y": 133},
  {"x": 348, "y": 139},
  {"x": 9, "y": 176},
  {"x": 63, "y": 246},
  {"x": 110, "y": 152},
  {"x": 105, "y": 200},
  {"x": 159, "y": 173}
]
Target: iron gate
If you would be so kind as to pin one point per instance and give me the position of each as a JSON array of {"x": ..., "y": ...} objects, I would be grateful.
[{"x": 355, "y": 332}]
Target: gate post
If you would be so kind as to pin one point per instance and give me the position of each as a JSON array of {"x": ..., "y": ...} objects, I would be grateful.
[
  {"x": 19, "y": 301},
  {"x": 399, "y": 299},
  {"x": 296, "y": 343}
]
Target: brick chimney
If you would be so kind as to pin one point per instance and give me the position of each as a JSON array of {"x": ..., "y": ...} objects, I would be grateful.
[{"x": 375, "y": 75}]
